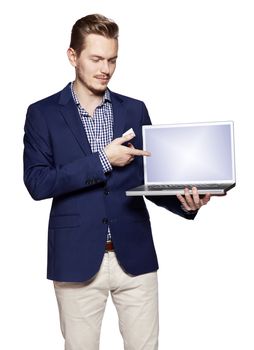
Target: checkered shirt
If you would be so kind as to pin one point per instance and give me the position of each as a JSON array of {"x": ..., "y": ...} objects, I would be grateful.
[{"x": 99, "y": 127}]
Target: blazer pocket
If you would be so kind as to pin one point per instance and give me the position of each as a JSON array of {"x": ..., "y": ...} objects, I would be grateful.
[{"x": 62, "y": 221}]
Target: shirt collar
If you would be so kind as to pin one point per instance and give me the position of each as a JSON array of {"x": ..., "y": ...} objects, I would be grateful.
[{"x": 105, "y": 98}]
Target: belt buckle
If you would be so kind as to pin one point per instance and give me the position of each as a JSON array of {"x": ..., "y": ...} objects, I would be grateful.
[{"x": 109, "y": 246}]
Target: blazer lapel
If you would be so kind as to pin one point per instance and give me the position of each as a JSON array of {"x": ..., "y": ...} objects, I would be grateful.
[
  {"x": 70, "y": 113},
  {"x": 119, "y": 113}
]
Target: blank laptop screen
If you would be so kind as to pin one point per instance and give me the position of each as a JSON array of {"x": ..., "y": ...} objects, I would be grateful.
[{"x": 189, "y": 153}]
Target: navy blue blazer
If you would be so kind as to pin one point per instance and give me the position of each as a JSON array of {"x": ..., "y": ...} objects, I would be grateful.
[{"x": 59, "y": 164}]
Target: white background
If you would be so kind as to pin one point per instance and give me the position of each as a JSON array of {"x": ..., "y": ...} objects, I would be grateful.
[{"x": 189, "y": 61}]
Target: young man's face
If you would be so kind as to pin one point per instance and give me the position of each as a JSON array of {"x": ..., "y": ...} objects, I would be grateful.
[{"x": 96, "y": 63}]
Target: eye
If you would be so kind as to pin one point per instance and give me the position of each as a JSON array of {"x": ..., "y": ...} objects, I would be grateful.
[{"x": 113, "y": 60}]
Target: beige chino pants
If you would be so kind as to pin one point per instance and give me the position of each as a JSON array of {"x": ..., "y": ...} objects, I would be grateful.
[{"x": 82, "y": 305}]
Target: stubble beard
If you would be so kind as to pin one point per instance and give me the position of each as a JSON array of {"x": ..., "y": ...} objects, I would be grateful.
[{"x": 97, "y": 91}]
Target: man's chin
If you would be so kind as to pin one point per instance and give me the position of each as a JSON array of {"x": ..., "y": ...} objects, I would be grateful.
[{"x": 98, "y": 91}]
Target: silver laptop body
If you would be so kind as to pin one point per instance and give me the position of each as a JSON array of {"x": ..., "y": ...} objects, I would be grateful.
[{"x": 187, "y": 155}]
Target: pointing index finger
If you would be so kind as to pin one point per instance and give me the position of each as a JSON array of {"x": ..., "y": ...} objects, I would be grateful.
[{"x": 138, "y": 152}]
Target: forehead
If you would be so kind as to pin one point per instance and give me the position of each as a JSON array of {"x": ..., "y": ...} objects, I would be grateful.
[{"x": 99, "y": 45}]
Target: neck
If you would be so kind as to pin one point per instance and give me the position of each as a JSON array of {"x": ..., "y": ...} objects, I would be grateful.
[{"x": 87, "y": 98}]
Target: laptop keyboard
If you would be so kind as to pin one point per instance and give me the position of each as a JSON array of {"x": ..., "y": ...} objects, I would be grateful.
[{"x": 176, "y": 187}]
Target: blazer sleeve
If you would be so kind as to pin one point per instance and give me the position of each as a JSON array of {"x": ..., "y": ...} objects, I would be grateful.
[
  {"x": 45, "y": 179},
  {"x": 170, "y": 203}
]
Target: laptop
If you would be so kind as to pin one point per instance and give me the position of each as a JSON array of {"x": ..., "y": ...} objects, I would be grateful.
[{"x": 187, "y": 155}]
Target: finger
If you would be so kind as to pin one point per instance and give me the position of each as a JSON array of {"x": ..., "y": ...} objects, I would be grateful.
[
  {"x": 183, "y": 202},
  {"x": 123, "y": 139},
  {"x": 195, "y": 196},
  {"x": 189, "y": 199},
  {"x": 130, "y": 145},
  {"x": 206, "y": 198},
  {"x": 138, "y": 152},
  {"x": 130, "y": 159}
]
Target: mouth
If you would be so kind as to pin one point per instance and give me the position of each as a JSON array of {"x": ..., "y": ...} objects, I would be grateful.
[{"x": 102, "y": 78}]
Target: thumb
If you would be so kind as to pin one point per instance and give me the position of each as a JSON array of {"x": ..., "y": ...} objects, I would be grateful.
[{"x": 123, "y": 139}]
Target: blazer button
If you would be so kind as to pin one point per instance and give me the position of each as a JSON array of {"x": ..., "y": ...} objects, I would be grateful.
[
  {"x": 105, "y": 221},
  {"x": 106, "y": 192}
]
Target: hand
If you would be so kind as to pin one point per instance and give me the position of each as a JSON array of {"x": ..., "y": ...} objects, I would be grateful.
[
  {"x": 119, "y": 155},
  {"x": 193, "y": 202}
]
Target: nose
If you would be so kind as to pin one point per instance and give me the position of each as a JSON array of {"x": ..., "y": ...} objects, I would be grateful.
[{"x": 105, "y": 67}]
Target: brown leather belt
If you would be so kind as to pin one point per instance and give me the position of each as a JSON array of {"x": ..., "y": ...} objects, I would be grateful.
[{"x": 109, "y": 246}]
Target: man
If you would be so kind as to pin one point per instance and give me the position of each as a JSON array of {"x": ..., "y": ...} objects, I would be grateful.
[{"x": 99, "y": 240}]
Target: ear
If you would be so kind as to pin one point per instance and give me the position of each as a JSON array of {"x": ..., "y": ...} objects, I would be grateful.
[{"x": 72, "y": 56}]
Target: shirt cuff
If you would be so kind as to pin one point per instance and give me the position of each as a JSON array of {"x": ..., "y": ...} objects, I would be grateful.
[{"x": 104, "y": 161}]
